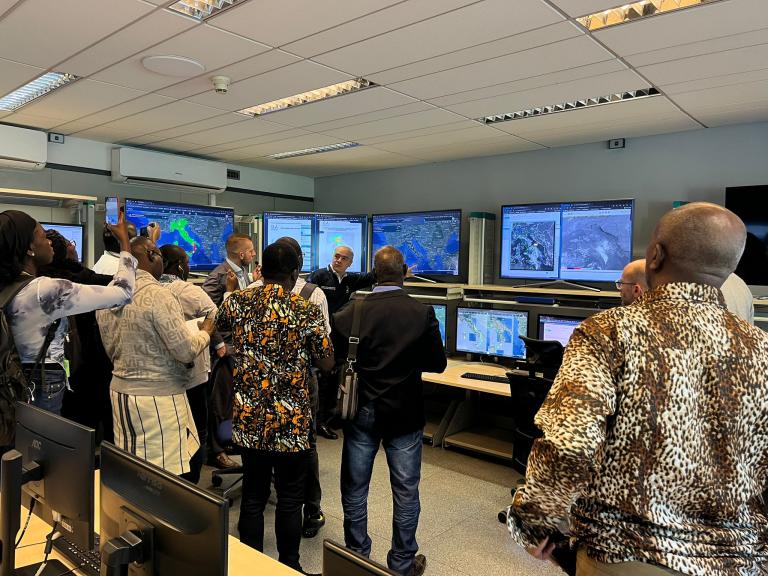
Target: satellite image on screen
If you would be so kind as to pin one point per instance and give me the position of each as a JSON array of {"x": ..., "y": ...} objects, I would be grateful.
[
  {"x": 597, "y": 242},
  {"x": 532, "y": 246},
  {"x": 338, "y": 231},
  {"x": 430, "y": 241},
  {"x": 491, "y": 332},
  {"x": 201, "y": 231},
  {"x": 440, "y": 314}
]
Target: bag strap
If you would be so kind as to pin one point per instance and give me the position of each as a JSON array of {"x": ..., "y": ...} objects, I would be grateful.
[
  {"x": 354, "y": 335},
  {"x": 307, "y": 290},
  {"x": 10, "y": 291}
]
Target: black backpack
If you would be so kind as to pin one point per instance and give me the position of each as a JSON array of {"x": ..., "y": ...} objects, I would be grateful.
[{"x": 13, "y": 381}]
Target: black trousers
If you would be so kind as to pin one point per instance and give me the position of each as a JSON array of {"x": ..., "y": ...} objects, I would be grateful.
[
  {"x": 329, "y": 389},
  {"x": 198, "y": 403},
  {"x": 290, "y": 470},
  {"x": 313, "y": 493}
]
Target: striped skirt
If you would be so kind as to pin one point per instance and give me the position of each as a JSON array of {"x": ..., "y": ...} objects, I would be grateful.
[{"x": 159, "y": 429}]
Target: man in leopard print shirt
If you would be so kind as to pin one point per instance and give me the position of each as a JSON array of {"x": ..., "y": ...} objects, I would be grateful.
[{"x": 655, "y": 448}]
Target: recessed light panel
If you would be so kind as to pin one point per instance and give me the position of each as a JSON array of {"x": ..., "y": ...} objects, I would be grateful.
[
  {"x": 202, "y": 9},
  {"x": 308, "y": 97},
  {"x": 308, "y": 151},
  {"x": 635, "y": 11},
  {"x": 35, "y": 89}
]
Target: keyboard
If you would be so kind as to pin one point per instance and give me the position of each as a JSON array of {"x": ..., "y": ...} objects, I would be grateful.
[
  {"x": 486, "y": 377},
  {"x": 86, "y": 561}
]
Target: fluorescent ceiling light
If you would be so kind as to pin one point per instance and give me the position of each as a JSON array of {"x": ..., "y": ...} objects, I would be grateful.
[
  {"x": 33, "y": 90},
  {"x": 318, "y": 150},
  {"x": 308, "y": 97},
  {"x": 202, "y": 9},
  {"x": 635, "y": 11},
  {"x": 574, "y": 105}
]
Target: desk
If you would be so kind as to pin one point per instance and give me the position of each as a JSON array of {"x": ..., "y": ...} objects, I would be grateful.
[
  {"x": 460, "y": 424},
  {"x": 243, "y": 560}
]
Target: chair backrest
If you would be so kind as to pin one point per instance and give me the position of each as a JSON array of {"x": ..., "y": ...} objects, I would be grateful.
[
  {"x": 222, "y": 394},
  {"x": 528, "y": 394}
]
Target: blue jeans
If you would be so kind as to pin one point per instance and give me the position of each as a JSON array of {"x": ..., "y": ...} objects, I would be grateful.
[
  {"x": 361, "y": 442},
  {"x": 50, "y": 396}
]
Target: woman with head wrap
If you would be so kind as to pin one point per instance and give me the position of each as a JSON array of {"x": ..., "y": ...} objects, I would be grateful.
[{"x": 24, "y": 251}]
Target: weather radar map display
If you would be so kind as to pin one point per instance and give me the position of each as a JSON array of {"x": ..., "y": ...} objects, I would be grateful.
[
  {"x": 530, "y": 241},
  {"x": 428, "y": 240},
  {"x": 491, "y": 332},
  {"x": 202, "y": 231},
  {"x": 334, "y": 230}
]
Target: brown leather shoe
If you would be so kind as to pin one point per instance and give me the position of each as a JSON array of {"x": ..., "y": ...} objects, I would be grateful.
[{"x": 222, "y": 461}]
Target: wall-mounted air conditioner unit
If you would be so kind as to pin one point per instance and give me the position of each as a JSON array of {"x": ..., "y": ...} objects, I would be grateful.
[
  {"x": 135, "y": 166},
  {"x": 22, "y": 149}
]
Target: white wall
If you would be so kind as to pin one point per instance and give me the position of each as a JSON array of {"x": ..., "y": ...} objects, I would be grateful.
[{"x": 655, "y": 170}]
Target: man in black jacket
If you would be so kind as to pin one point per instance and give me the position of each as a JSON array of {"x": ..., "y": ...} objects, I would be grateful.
[
  {"x": 399, "y": 339},
  {"x": 336, "y": 282}
]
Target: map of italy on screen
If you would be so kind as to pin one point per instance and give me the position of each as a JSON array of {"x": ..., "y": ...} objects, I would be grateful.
[
  {"x": 491, "y": 332},
  {"x": 428, "y": 240},
  {"x": 202, "y": 231},
  {"x": 335, "y": 231}
]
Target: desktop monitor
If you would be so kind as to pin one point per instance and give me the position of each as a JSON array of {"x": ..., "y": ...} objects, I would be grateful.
[
  {"x": 341, "y": 561},
  {"x": 750, "y": 203},
  {"x": 429, "y": 240},
  {"x": 182, "y": 529},
  {"x": 530, "y": 241},
  {"x": 557, "y": 328},
  {"x": 491, "y": 332},
  {"x": 440, "y": 312},
  {"x": 334, "y": 230},
  {"x": 596, "y": 240},
  {"x": 72, "y": 232},
  {"x": 202, "y": 231},
  {"x": 296, "y": 225}
]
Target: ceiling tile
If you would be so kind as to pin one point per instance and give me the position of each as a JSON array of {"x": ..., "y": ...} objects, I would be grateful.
[
  {"x": 168, "y": 116},
  {"x": 13, "y": 75},
  {"x": 139, "y": 36},
  {"x": 250, "y": 67},
  {"x": 485, "y": 51},
  {"x": 544, "y": 59},
  {"x": 419, "y": 132},
  {"x": 506, "y": 144},
  {"x": 433, "y": 117},
  {"x": 278, "y": 24},
  {"x": 22, "y": 118},
  {"x": 280, "y": 83},
  {"x": 699, "y": 48},
  {"x": 246, "y": 142},
  {"x": 707, "y": 65},
  {"x": 248, "y": 128},
  {"x": 462, "y": 28},
  {"x": 584, "y": 7},
  {"x": 463, "y": 135},
  {"x": 115, "y": 112},
  {"x": 371, "y": 116},
  {"x": 211, "y": 47},
  {"x": 43, "y": 33},
  {"x": 287, "y": 145},
  {"x": 716, "y": 81},
  {"x": 552, "y": 94},
  {"x": 691, "y": 25},
  {"x": 180, "y": 131},
  {"x": 738, "y": 99},
  {"x": 80, "y": 98},
  {"x": 398, "y": 15},
  {"x": 105, "y": 134},
  {"x": 172, "y": 146},
  {"x": 5, "y": 5},
  {"x": 340, "y": 107},
  {"x": 734, "y": 114}
]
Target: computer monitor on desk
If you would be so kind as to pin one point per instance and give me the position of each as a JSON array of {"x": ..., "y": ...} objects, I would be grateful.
[
  {"x": 440, "y": 313},
  {"x": 341, "y": 561},
  {"x": 489, "y": 332},
  {"x": 54, "y": 462},
  {"x": 165, "y": 524},
  {"x": 557, "y": 328}
]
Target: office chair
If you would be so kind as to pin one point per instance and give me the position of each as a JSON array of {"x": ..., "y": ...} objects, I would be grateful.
[{"x": 220, "y": 418}]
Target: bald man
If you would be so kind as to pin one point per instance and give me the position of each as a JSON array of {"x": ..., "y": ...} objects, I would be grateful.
[
  {"x": 632, "y": 283},
  {"x": 655, "y": 452}
]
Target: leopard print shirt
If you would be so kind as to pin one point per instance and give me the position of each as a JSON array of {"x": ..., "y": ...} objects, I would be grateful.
[{"x": 655, "y": 445}]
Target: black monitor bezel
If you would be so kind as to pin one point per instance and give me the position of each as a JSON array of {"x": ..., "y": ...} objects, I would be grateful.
[
  {"x": 204, "y": 268},
  {"x": 540, "y": 326},
  {"x": 76, "y": 487},
  {"x": 413, "y": 212},
  {"x": 80, "y": 246},
  {"x": 511, "y": 308},
  {"x": 367, "y": 567}
]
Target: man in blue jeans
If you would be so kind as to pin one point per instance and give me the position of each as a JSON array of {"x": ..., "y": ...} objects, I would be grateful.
[{"x": 399, "y": 339}]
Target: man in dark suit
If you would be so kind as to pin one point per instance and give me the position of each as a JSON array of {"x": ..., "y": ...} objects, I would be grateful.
[
  {"x": 399, "y": 339},
  {"x": 240, "y": 254}
]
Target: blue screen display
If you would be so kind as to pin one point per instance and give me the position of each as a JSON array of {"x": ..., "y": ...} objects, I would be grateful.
[
  {"x": 202, "y": 231},
  {"x": 428, "y": 240},
  {"x": 491, "y": 332},
  {"x": 72, "y": 232},
  {"x": 296, "y": 225}
]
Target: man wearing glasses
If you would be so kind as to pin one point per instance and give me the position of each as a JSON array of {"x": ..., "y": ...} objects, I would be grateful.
[{"x": 632, "y": 283}]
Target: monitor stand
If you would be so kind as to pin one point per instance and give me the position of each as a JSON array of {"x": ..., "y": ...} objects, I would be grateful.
[
  {"x": 561, "y": 282},
  {"x": 12, "y": 477},
  {"x": 422, "y": 278}
]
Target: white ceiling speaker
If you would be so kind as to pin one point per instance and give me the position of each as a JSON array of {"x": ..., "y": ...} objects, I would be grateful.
[{"x": 178, "y": 66}]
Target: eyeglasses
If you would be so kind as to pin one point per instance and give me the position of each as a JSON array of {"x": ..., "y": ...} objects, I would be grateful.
[{"x": 620, "y": 283}]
